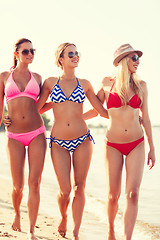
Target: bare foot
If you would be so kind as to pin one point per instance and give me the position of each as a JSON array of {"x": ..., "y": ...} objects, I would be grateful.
[
  {"x": 16, "y": 226},
  {"x": 75, "y": 238},
  {"x": 31, "y": 236},
  {"x": 111, "y": 235},
  {"x": 62, "y": 228}
]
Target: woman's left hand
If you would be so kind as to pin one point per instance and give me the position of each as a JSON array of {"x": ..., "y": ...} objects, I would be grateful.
[
  {"x": 151, "y": 159},
  {"x": 7, "y": 121}
]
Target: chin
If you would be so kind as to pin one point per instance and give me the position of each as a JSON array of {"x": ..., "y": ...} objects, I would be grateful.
[
  {"x": 133, "y": 71},
  {"x": 75, "y": 66}
]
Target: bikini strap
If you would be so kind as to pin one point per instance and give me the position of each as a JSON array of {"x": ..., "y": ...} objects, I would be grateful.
[
  {"x": 58, "y": 80},
  {"x": 12, "y": 68},
  {"x": 112, "y": 85},
  {"x": 90, "y": 136},
  {"x": 77, "y": 80},
  {"x": 51, "y": 140}
]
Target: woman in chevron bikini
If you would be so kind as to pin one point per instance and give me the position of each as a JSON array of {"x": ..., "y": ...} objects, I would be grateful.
[{"x": 70, "y": 137}]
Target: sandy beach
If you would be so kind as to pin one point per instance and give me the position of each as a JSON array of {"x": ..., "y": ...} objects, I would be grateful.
[
  {"x": 46, "y": 227},
  {"x": 94, "y": 222},
  {"x": 48, "y": 217}
]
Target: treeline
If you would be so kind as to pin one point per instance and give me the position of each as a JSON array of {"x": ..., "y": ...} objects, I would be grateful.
[{"x": 97, "y": 126}]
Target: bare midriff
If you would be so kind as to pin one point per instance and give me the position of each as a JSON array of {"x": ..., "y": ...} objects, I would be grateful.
[
  {"x": 24, "y": 115},
  {"x": 68, "y": 121},
  {"x": 124, "y": 125}
]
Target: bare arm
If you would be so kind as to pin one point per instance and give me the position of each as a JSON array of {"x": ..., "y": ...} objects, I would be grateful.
[
  {"x": 93, "y": 113},
  {"x": 2, "y": 75},
  {"x": 47, "y": 106},
  {"x": 41, "y": 103},
  {"x": 147, "y": 126},
  {"x": 96, "y": 102}
]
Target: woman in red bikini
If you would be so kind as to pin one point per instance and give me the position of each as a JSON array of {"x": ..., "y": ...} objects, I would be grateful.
[
  {"x": 21, "y": 89},
  {"x": 125, "y": 95}
]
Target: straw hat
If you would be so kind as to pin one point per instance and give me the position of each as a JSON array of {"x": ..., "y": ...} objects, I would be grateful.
[{"x": 123, "y": 51}]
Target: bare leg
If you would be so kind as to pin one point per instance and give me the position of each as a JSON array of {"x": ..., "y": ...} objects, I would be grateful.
[
  {"x": 62, "y": 165},
  {"x": 134, "y": 172},
  {"x": 16, "y": 155},
  {"x": 31, "y": 236},
  {"x": 114, "y": 165},
  {"x": 81, "y": 162},
  {"x": 36, "y": 156}
]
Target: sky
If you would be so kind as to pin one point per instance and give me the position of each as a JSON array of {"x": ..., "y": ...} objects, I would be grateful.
[{"x": 96, "y": 27}]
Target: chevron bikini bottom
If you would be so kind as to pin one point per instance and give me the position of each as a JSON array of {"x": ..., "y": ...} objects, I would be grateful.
[{"x": 71, "y": 145}]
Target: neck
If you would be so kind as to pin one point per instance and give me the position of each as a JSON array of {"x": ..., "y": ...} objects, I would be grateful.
[
  {"x": 68, "y": 74},
  {"x": 130, "y": 79},
  {"x": 22, "y": 68}
]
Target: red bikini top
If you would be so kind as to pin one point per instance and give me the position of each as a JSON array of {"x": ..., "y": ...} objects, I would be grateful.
[{"x": 114, "y": 100}]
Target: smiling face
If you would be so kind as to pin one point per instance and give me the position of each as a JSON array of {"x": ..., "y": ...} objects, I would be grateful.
[
  {"x": 25, "y": 53},
  {"x": 133, "y": 62},
  {"x": 70, "y": 57}
]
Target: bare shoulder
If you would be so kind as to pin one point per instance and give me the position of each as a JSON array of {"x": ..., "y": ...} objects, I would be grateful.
[
  {"x": 143, "y": 85},
  {"x": 37, "y": 77},
  {"x": 83, "y": 81},
  {"x": 85, "y": 84},
  {"x": 4, "y": 76},
  {"x": 50, "y": 82}
]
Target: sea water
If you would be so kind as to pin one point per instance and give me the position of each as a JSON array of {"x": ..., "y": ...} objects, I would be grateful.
[{"x": 95, "y": 219}]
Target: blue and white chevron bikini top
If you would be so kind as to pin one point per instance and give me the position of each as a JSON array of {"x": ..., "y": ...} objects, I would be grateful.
[{"x": 57, "y": 95}]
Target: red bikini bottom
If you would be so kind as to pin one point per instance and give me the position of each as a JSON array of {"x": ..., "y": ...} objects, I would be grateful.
[{"x": 125, "y": 148}]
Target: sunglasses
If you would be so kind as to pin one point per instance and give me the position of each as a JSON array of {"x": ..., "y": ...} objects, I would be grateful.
[
  {"x": 71, "y": 54},
  {"x": 135, "y": 58},
  {"x": 25, "y": 52}
]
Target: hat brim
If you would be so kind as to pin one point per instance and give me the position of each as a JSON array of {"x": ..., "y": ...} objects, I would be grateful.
[{"x": 123, "y": 55}]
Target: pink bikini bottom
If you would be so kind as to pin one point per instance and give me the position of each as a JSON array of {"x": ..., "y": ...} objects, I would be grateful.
[
  {"x": 26, "y": 138},
  {"x": 125, "y": 148}
]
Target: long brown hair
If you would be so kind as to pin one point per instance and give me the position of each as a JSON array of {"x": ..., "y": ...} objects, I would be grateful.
[{"x": 16, "y": 47}]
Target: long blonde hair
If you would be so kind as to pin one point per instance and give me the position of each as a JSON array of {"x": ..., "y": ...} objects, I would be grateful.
[{"x": 123, "y": 79}]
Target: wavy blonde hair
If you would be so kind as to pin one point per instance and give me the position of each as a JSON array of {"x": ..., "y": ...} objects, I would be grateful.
[{"x": 123, "y": 79}]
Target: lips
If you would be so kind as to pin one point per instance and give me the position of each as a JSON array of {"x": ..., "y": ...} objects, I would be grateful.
[
  {"x": 75, "y": 61},
  {"x": 135, "y": 66}
]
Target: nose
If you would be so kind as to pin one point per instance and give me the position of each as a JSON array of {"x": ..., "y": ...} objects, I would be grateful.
[{"x": 30, "y": 52}]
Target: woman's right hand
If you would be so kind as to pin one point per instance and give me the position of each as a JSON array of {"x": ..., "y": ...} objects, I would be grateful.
[{"x": 7, "y": 121}]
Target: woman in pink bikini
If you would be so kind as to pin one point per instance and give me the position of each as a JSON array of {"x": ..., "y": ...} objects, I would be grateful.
[
  {"x": 125, "y": 95},
  {"x": 21, "y": 89}
]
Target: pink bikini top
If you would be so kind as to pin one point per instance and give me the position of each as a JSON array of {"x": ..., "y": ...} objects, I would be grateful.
[
  {"x": 114, "y": 100},
  {"x": 12, "y": 91}
]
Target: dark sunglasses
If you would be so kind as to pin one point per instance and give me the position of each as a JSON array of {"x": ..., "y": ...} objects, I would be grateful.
[
  {"x": 26, "y": 51},
  {"x": 71, "y": 54},
  {"x": 135, "y": 58}
]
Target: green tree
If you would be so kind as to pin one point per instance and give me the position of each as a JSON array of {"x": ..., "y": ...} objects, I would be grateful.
[
  {"x": 2, "y": 127},
  {"x": 46, "y": 121}
]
